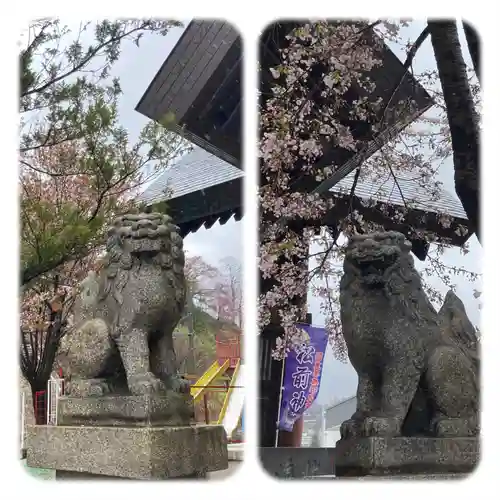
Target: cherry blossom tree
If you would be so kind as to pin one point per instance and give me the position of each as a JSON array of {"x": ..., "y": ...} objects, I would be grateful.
[
  {"x": 215, "y": 289},
  {"x": 201, "y": 280},
  {"x": 46, "y": 315},
  {"x": 78, "y": 168},
  {"x": 229, "y": 294},
  {"x": 309, "y": 110},
  {"x": 70, "y": 128}
]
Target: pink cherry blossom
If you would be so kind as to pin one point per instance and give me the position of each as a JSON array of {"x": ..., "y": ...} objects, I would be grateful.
[{"x": 301, "y": 118}]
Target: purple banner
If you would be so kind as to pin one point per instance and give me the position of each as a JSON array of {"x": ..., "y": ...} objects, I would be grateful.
[{"x": 302, "y": 376}]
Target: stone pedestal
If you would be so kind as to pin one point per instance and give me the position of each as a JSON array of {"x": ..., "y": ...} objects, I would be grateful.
[
  {"x": 127, "y": 437},
  {"x": 377, "y": 456}
]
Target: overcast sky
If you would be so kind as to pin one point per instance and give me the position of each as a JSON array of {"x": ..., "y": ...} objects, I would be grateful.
[{"x": 137, "y": 67}]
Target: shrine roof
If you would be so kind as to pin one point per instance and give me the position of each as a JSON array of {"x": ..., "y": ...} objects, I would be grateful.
[
  {"x": 405, "y": 192},
  {"x": 195, "y": 171},
  {"x": 202, "y": 189}
]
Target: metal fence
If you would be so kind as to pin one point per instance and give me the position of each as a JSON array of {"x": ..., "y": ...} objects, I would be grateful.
[
  {"x": 55, "y": 389},
  {"x": 45, "y": 404}
]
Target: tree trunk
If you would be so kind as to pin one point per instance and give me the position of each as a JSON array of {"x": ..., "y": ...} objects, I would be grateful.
[
  {"x": 37, "y": 357},
  {"x": 462, "y": 117},
  {"x": 474, "y": 46}
]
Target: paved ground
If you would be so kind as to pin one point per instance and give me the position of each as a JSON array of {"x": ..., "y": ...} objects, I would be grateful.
[
  {"x": 38, "y": 473},
  {"x": 222, "y": 474},
  {"x": 235, "y": 451},
  {"x": 235, "y": 454}
]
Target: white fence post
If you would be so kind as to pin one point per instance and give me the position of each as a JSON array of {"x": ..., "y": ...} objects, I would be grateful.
[
  {"x": 54, "y": 390},
  {"x": 23, "y": 416}
]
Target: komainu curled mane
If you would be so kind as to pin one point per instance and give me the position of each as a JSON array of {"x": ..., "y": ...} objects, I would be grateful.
[
  {"x": 122, "y": 342},
  {"x": 418, "y": 369}
]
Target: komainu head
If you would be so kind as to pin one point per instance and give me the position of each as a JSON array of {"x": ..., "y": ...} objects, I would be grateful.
[
  {"x": 142, "y": 241},
  {"x": 145, "y": 237},
  {"x": 373, "y": 259},
  {"x": 380, "y": 264}
]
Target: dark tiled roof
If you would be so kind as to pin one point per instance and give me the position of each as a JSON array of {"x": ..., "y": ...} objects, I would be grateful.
[
  {"x": 196, "y": 171},
  {"x": 199, "y": 170},
  {"x": 416, "y": 196}
]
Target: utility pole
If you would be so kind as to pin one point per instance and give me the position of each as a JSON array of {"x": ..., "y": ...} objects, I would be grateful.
[
  {"x": 323, "y": 426},
  {"x": 191, "y": 356}
]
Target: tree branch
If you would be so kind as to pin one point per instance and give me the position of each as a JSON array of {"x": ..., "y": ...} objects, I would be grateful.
[
  {"x": 406, "y": 66},
  {"x": 90, "y": 55}
]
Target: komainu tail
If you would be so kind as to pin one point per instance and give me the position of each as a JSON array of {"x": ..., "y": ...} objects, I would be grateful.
[{"x": 457, "y": 327}]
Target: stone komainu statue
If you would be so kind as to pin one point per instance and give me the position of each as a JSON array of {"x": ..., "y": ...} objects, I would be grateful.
[
  {"x": 418, "y": 369},
  {"x": 124, "y": 318}
]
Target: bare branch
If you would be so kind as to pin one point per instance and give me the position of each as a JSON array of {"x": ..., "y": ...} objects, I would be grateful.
[{"x": 91, "y": 54}]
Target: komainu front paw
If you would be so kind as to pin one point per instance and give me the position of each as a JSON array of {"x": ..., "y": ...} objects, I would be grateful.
[
  {"x": 382, "y": 426},
  {"x": 145, "y": 383},
  {"x": 180, "y": 384},
  {"x": 455, "y": 427},
  {"x": 350, "y": 429},
  {"x": 88, "y": 388}
]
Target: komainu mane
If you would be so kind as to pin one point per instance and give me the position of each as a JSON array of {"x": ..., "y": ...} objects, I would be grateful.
[
  {"x": 418, "y": 369},
  {"x": 125, "y": 316}
]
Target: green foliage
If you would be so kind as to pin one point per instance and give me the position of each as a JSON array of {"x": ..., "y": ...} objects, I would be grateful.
[
  {"x": 79, "y": 166},
  {"x": 168, "y": 120},
  {"x": 205, "y": 328},
  {"x": 161, "y": 206}
]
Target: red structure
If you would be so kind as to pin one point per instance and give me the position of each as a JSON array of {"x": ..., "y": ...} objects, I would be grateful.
[
  {"x": 228, "y": 349},
  {"x": 40, "y": 407}
]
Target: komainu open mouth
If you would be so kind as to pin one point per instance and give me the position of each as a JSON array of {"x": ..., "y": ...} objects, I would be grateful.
[{"x": 376, "y": 265}]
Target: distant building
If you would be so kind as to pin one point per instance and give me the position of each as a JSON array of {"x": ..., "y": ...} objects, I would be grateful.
[
  {"x": 334, "y": 416},
  {"x": 312, "y": 424}
]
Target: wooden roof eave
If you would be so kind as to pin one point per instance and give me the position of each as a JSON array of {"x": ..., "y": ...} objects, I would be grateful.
[
  {"x": 214, "y": 200},
  {"x": 218, "y": 203},
  {"x": 418, "y": 225},
  {"x": 194, "y": 225},
  {"x": 202, "y": 143}
]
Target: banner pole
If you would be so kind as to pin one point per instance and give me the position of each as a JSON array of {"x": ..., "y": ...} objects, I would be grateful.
[{"x": 279, "y": 402}]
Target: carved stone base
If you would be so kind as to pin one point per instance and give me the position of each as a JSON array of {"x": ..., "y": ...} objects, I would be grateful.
[
  {"x": 128, "y": 452},
  {"x": 378, "y": 456},
  {"x": 174, "y": 409},
  {"x": 287, "y": 463}
]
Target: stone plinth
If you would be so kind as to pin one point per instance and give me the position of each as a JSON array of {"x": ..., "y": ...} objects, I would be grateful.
[
  {"x": 379, "y": 456},
  {"x": 134, "y": 437},
  {"x": 176, "y": 409},
  {"x": 129, "y": 452}
]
